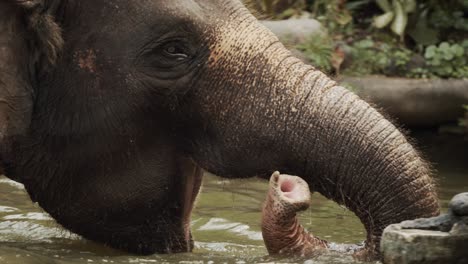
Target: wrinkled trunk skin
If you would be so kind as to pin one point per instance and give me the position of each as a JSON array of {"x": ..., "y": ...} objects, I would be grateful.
[
  {"x": 281, "y": 230},
  {"x": 265, "y": 110}
]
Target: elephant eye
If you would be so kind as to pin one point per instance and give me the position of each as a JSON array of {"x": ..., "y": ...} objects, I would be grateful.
[
  {"x": 176, "y": 50},
  {"x": 170, "y": 55}
]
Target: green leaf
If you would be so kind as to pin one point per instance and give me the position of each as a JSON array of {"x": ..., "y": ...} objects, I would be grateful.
[
  {"x": 444, "y": 46},
  {"x": 365, "y": 43},
  {"x": 409, "y": 6},
  {"x": 383, "y": 20},
  {"x": 430, "y": 52},
  {"x": 464, "y": 44},
  {"x": 401, "y": 19},
  {"x": 287, "y": 13},
  {"x": 344, "y": 18},
  {"x": 457, "y": 50},
  {"x": 448, "y": 56},
  {"x": 421, "y": 32}
]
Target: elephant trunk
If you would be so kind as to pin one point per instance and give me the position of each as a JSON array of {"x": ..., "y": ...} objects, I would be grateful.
[
  {"x": 350, "y": 153},
  {"x": 265, "y": 110}
]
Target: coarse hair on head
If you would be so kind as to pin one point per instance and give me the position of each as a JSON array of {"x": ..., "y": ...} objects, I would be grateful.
[{"x": 46, "y": 34}]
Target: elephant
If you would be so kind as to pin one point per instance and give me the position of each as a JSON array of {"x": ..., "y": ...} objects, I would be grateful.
[{"x": 110, "y": 112}]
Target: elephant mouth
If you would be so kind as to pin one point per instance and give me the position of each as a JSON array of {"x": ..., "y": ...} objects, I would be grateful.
[{"x": 192, "y": 186}]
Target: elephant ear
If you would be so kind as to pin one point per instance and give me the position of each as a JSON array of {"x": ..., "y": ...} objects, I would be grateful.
[{"x": 30, "y": 42}]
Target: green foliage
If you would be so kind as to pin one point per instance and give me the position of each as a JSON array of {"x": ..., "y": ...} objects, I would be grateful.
[
  {"x": 319, "y": 51},
  {"x": 448, "y": 14},
  {"x": 396, "y": 14},
  {"x": 367, "y": 58},
  {"x": 371, "y": 57},
  {"x": 277, "y": 9},
  {"x": 436, "y": 21},
  {"x": 333, "y": 14},
  {"x": 447, "y": 60},
  {"x": 431, "y": 34},
  {"x": 427, "y": 22}
]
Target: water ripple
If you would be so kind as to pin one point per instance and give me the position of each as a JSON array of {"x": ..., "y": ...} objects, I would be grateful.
[
  {"x": 216, "y": 224},
  {"x": 14, "y": 231},
  {"x": 17, "y": 185},
  {"x": 7, "y": 209},
  {"x": 28, "y": 216}
]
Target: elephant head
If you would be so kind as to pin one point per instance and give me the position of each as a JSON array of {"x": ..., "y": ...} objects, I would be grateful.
[{"x": 110, "y": 110}]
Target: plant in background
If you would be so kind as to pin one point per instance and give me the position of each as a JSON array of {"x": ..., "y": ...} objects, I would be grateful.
[
  {"x": 435, "y": 21},
  {"x": 276, "y": 9},
  {"x": 400, "y": 58},
  {"x": 434, "y": 31},
  {"x": 442, "y": 61},
  {"x": 396, "y": 13},
  {"x": 375, "y": 57},
  {"x": 448, "y": 14},
  {"x": 367, "y": 57},
  {"x": 319, "y": 51},
  {"x": 448, "y": 60},
  {"x": 333, "y": 14}
]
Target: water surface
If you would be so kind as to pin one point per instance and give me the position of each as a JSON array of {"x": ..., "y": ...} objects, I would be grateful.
[{"x": 225, "y": 223}]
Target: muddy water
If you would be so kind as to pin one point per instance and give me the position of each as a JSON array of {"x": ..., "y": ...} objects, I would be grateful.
[{"x": 225, "y": 222}]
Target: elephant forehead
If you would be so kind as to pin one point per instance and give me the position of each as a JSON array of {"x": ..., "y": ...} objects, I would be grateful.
[
  {"x": 238, "y": 38},
  {"x": 122, "y": 17},
  {"x": 203, "y": 13}
]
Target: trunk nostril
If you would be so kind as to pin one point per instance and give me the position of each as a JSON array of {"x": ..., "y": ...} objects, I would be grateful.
[
  {"x": 287, "y": 186},
  {"x": 289, "y": 189}
]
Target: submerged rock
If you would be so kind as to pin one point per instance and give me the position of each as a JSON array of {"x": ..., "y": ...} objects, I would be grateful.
[
  {"x": 459, "y": 204},
  {"x": 442, "y": 239}
]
